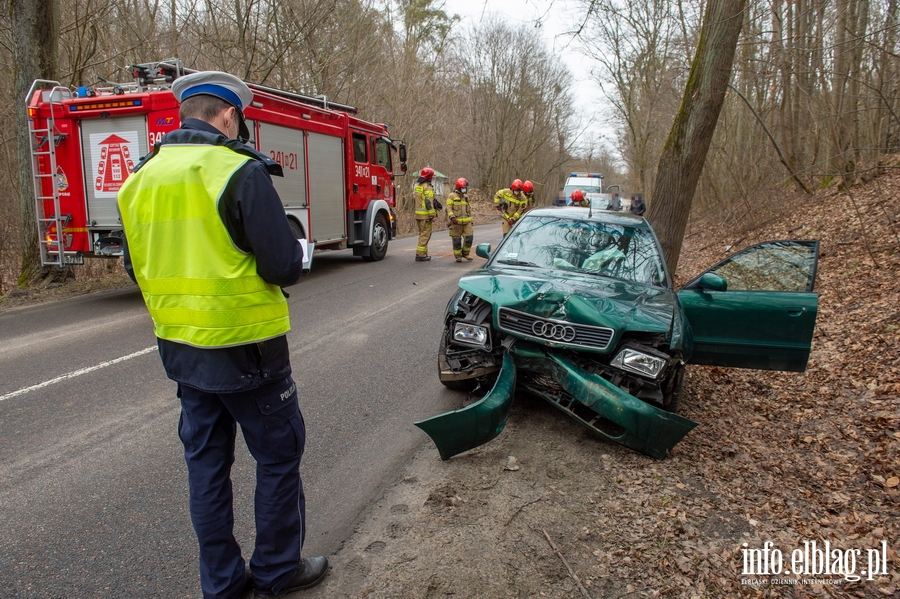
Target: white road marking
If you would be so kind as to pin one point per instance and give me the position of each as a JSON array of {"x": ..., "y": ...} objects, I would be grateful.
[{"x": 71, "y": 375}]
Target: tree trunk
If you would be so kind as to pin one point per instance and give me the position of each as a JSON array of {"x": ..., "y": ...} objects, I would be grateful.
[
  {"x": 684, "y": 153},
  {"x": 35, "y": 33}
]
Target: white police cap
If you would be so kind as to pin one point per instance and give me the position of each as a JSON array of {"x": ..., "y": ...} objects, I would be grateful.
[{"x": 213, "y": 83}]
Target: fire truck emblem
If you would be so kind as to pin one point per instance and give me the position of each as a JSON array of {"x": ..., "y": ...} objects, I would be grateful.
[
  {"x": 113, "y": 160},
  {"x": 62, "y": 182}
]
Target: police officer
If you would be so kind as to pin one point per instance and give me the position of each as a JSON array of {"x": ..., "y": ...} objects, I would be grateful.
[
  {"x": 511, "y": 204},
  {"x": 423, "y": 196},
  {"x": 578, "y": 199},
  {"x": 210, "y": 247},
  {"x": 459, "y": 211}
]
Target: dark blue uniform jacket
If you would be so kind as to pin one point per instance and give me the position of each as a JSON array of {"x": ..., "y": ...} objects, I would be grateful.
[{"x": 255, "y": 220}]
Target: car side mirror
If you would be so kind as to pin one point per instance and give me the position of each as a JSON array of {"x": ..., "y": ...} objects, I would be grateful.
[
  {"x": 483, "y": 250},
  {"x": 713, "y": 282}
]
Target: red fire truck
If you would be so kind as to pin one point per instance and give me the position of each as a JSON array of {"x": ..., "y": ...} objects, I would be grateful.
[{"x": 338, "y": 187}]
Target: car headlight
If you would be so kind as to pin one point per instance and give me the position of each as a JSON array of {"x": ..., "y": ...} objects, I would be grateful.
[
  {"x": 470, "y": 334},
  {"x": 641, "y": 363}
]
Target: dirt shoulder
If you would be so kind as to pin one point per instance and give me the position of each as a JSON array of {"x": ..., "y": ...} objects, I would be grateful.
[
  {"x": 549, "y": 510},
  {"x": 23, "y": 298}
]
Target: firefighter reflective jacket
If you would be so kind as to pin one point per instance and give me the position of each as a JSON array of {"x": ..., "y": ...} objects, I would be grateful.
[
  {"x": 515, "y": 205},
  {"x": 458, "y": 207},
  {"x": 199, "y": 288},
  {"x": 423, "y": 194}
]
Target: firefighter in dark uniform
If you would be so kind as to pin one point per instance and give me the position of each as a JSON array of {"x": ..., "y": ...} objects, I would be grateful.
[
  {"x": 423, "y": 197},
  {"x": 209, "y": 246},
  {"x": 511, "y": 203},
  {"x": 459, "y": 211}
]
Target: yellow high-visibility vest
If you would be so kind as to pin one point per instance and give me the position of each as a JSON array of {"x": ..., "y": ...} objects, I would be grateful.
[{"x": 199, "y": 287}]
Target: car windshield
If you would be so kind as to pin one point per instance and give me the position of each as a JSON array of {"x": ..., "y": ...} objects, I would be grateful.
[{"x": 588, "y": 247}]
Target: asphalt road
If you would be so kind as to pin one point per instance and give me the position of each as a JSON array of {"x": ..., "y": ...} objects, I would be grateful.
[{"x": 93, "y": 486}]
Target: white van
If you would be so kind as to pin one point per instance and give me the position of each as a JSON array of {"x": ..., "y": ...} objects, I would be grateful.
[{"x": 590, "y": 183}]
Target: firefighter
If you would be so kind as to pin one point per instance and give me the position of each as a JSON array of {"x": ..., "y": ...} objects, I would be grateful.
[
  {"x": 459, "y": 211},
  {"x": 578, "y": 199},
  {"x": 510, "y": 203},
  {"x": 528, "y": 190},
  {"x": 423, "y": 195},
  {"x": 209, "y": 246}
]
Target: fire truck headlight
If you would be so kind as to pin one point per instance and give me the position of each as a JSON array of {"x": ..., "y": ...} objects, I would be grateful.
[{"x": 470, "y": 334}]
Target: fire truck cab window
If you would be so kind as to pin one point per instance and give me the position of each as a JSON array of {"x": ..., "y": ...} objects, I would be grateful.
[
  {"x": 359, "y": 148},
  {"x": 382, "y": 154}
]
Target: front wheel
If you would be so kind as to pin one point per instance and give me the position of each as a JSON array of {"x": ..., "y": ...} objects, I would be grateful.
[{"x": 380, "y": 237}]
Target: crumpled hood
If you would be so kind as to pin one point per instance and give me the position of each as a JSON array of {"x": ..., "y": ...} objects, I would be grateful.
[{"x": 596, "y": 301}]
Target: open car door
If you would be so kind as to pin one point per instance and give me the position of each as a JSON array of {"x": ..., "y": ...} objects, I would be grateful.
[{"x": 755, "y": 309}]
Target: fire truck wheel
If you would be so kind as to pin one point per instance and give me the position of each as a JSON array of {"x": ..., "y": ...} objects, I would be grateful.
[
  {"x": 380, "y": 236},
  {"x": 296, "y": 230}
]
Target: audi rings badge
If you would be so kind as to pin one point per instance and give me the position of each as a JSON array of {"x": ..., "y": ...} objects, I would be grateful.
[{"x": 553, "y": 331}]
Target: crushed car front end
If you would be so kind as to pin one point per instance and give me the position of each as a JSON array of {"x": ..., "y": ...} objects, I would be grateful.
[{"x": 608, "y": 349}]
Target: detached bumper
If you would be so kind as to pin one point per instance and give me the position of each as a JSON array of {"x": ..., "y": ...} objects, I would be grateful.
[
  {"x": 588, "y": 398},
  {"x": 476, "y": 424}
]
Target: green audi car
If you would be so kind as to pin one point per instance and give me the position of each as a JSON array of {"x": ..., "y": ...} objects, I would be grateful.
[{"x": 576, "y": 306}]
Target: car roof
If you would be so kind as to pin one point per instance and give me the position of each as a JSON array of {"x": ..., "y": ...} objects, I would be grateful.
[{"x": 592, "y": 215}]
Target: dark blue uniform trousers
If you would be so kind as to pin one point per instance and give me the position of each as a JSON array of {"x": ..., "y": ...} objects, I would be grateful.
[{"x": 275, "y": 434}]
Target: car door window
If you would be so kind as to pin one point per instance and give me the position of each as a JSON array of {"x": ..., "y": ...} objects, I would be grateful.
[{"x": 771, "y": 266}]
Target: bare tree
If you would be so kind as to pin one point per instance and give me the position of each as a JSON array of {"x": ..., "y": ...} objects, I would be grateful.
[
  {"x": 519, "y": 107},
  {"x": 642, "y": 49},
  {"x": 34, "y": 36},
  {"x": 688, "y": 142}
]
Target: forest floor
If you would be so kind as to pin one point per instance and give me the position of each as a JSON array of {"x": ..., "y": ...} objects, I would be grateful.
[{"x": 778, "y": 462}]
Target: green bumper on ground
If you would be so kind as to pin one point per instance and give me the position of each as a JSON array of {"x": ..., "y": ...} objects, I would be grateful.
[
  {"x": 589, "y": 398},
  {"x": 476, "y": 424}
]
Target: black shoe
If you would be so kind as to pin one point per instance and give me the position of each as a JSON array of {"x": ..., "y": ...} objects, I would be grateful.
[
  {"x": 248, "y": 585},
  {"x": 423, "y": 258},
  {"x": 310, "y": 572}
]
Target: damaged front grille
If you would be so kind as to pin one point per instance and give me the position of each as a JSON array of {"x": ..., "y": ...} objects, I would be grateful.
[
  {"x": 556, "y": 332},
  {"x": 550, "y": 390}
]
